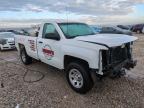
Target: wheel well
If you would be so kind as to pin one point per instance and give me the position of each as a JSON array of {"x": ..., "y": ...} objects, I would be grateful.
[
  {"x": 21, "y": 46},
  {"x": 68, "y": 59}
]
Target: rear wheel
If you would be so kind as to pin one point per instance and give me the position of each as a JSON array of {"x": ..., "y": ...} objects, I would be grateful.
[
  {"x": 0, "y": 48},
  {"x": 79, "y": 78},
  {"x": 24, "y": 57}
]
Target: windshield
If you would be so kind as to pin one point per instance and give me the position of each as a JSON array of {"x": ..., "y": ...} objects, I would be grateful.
[
  {"x": 72, "y": 30},
  {"x": 6, "y": 35}
]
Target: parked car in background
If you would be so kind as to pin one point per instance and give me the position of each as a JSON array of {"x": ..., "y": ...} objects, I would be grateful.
[
  {"x": 115, "y": 30},
  {"x": 18, "y": 32},
  {"x": 137, "y": 28},
  {"x": 96, "y": 29},
  {"x": 123, "y": 27},
  {"x": 7, "y": 41},
  {"x": 33, "y": 31}
]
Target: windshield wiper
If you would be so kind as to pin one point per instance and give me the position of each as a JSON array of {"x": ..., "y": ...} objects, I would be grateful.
[
  {"x": 71, "y": 37},
  {"x": 91, "y": 34}
]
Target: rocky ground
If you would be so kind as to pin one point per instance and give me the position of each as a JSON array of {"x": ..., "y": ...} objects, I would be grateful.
[{"x": 54, "y": 92}]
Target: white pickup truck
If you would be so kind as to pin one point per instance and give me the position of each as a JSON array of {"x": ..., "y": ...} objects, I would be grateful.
[{"x": 75, "y": 48}]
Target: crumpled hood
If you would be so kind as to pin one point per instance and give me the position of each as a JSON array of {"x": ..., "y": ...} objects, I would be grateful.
[{"x": 110, "y": 40}]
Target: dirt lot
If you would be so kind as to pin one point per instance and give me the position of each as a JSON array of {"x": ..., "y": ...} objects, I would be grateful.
[{"x": 54, "y": 92}]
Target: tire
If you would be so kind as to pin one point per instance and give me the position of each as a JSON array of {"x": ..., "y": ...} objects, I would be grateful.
[
  {"x": 1, "y": 49},
  {"x": 24, "y": 57},
  {"x": 84, "y": 81}
]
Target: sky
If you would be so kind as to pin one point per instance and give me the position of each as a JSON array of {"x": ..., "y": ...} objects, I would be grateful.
[{"x": 94, "y": 12}]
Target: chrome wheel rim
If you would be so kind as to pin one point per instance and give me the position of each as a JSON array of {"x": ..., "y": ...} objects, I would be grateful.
[
  {"x": 76, "y": 78},
  {"x": 23, "y": 56}
]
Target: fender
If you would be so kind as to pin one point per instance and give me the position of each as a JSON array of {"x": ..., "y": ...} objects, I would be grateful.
[{"x": 91, "y": 56}]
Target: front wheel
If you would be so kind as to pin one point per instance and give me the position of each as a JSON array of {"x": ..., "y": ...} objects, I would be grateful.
[
  {"x": 24, "y": 57},
  {"x": 78, "y": 78}
]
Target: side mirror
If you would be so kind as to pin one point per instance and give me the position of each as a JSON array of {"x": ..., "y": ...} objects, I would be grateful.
[{"x": 53, "y": 36}]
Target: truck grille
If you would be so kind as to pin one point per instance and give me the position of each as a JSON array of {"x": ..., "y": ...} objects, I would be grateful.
[
  {"x": 12, "y": 44},
  {"x": 116, "y": 55}
]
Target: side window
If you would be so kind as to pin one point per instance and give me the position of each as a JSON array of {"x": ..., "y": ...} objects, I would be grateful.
[{"x": 50, "y": 32}]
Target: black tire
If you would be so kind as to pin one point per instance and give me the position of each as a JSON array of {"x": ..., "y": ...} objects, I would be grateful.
[
  {"x": 1, "y": 49},
  {"x": 87, "y": 80},
  {"x": 27, "y": 60}
]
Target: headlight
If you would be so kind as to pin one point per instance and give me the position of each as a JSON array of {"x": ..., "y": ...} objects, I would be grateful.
[{"x": 3, "y": 41}]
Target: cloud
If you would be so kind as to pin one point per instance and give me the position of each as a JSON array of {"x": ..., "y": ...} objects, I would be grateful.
[
  {"x": 112, "y": 20},
  {"x": 92, "y": 7},
  {"x": 92, "y": 11},
  {"x": 80, "y": 1},
  {"x": 30, "y": 7}
]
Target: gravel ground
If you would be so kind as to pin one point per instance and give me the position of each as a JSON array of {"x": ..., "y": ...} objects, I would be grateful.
[{"x": 54, "y": 92}]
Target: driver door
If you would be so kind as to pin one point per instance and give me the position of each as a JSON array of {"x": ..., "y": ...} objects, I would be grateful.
[{"x": 49, "y": 46}]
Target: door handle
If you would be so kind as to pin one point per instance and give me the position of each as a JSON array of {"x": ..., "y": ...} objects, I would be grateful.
[{"x": 40, "y": 42}]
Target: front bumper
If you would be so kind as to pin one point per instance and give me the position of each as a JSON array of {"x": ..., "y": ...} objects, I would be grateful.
[
  {"x": 116, "y": 59},
  {"x": 7, "y": 47},
  {"x": 119, "y": 70},
  {"x": 127, "y": 64}
]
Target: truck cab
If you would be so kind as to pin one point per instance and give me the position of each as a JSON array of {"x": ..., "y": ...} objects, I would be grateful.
[{"x": 75, "y": 48}]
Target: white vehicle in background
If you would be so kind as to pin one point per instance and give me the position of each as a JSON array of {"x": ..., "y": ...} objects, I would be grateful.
[
  {"x": 76, "y": 49},
  {"x": 7, "y": 41}
]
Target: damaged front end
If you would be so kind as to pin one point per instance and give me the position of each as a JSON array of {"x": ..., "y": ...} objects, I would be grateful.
[{"x": 116, "y": 60}]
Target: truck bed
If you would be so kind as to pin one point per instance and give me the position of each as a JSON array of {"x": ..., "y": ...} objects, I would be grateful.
[{"x": 30, "y": 44}]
